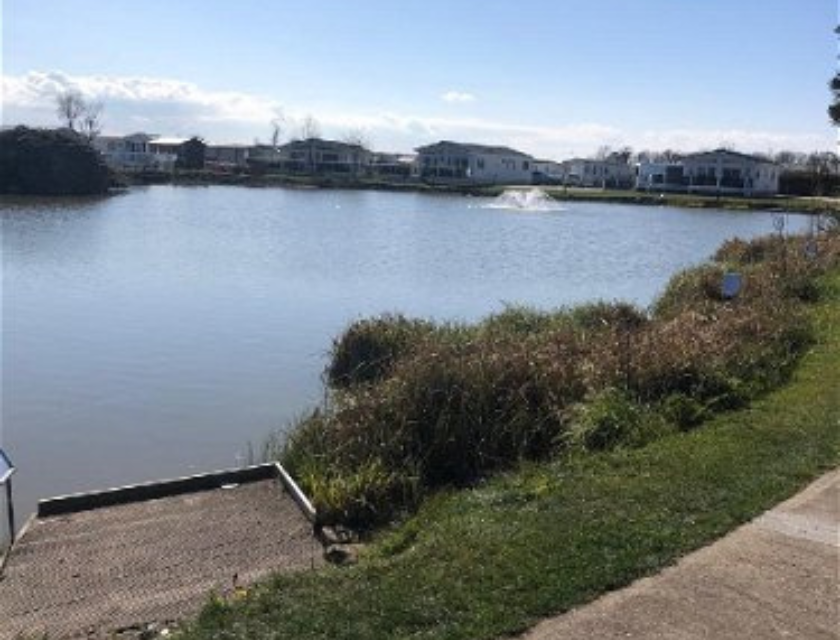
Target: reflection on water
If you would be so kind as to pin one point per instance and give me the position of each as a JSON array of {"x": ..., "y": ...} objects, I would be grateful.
[{"x": 156, "y": 333}]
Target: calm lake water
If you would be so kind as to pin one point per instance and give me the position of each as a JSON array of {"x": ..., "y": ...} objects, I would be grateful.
[{"x": 157, "y": 333}]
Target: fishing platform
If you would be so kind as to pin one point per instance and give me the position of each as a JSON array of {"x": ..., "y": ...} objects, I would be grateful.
[{"x": 120, "y": 562}]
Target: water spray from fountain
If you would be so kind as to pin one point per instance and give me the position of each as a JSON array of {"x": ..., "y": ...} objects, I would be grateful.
[{"x": 525, "y": 200}]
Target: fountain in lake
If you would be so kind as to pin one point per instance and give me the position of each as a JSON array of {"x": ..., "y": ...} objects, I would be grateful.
[{"x": 525, "y": 200}]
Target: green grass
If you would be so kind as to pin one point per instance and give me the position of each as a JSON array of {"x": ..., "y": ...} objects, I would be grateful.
[
  {"x": 493, "y": 559},
  {"x": 697, "y": 201}
]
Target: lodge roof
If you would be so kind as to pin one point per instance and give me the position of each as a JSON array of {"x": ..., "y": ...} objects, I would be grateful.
[
  {"x": 728, "y": 152},
  {"x": 323, "y": 144},
  {"x": 444, "y": 145}
]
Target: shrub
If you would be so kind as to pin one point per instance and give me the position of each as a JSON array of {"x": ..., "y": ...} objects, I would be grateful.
[
  {"x": 743, "y": 252},
  {"x": 696, "y": 289},
  {"x": 612, "y": 418},
  {"x": 367, "y": 495},
  {"x": 367, "y": 350},
  {"x": 519, "y": 320},
  {"x": 420, "y": 405},
  {"x": 683, "y": 411},
  {"x": 603, "y": 315},
  {"x": 604, "y": 421},
  {"x": 50, "y": 162}
]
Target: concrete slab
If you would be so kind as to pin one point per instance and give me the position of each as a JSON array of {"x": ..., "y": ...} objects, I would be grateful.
[
  {"x": 777, "y": 577},
  {"x": 100, "y": 571}
]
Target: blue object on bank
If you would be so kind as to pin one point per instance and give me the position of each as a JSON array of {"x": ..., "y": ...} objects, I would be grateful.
[{"x": 732, "y": 283}]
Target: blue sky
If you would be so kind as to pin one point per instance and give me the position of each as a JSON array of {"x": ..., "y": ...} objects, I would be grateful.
[{"x": 554, "y": 77}]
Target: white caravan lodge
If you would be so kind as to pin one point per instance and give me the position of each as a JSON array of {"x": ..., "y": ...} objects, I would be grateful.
[
  {"x": 457, "y": 162},
  {"x": 716, "y": 172}
]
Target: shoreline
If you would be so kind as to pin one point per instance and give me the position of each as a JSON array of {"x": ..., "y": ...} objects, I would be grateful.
[
  {"x": 583, "y": 524},
  {"x": 780, "y": 203},
  {"x": 121, "y": 183}
]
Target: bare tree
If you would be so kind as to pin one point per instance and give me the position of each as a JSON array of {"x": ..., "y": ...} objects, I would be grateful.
[
  {"x": 90, "y": 123},
  {"x": 669, "y": 156},
  {"x": 309, "y": 128},
  {"x": 70, "y": 106},
  {"x": 823, "y": 168},
  {"x": 278, "y": 126},
  {"x": 622, "y": 156},
  {"x": 603, "y": 152},
  {"x": 645, "y": 155},
  {"x": 79, "y": 115},
  {"x": 790, "y": 159},
  {"x": 357, "y": 137}
]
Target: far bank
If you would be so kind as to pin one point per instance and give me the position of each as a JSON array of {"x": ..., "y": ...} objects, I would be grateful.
[{"x": 781, "y": 203}]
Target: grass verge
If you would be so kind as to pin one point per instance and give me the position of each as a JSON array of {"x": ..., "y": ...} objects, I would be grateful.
[
  {"x": 493, "y": 559},
  {"x": 698, "y": 201}
]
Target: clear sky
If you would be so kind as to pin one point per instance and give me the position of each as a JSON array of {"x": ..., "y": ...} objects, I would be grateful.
[{"x": 553, "y": 77}]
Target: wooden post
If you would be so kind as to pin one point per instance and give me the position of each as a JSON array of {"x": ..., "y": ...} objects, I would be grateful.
[{"x": 10, "y": 507}]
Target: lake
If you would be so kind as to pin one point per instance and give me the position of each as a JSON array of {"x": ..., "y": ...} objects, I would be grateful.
[{"x": 159, "y": 332}]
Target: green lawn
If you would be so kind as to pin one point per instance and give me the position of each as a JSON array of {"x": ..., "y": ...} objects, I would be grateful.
[
  {"x": 696, "y": 201},
  {"x": 494, "y": 559}
]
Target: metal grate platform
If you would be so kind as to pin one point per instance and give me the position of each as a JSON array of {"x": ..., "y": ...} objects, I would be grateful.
[{"x": 97, "y": 564}]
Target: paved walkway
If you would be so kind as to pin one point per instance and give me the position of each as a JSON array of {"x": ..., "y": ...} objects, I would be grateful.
[{"x": 776, "y": 577}]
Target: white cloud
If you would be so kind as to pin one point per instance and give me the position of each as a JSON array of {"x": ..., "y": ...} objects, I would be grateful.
[
  {"x": 175, "y": 107},
  {"x": 37, "y": 89},
  {"x": 458, "y": 97},
  {"x": 745, "y": 140}
]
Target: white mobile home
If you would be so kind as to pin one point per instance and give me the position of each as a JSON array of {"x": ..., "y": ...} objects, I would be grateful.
[
  {"x": 132, "y": 153},
  {"x": 660, "y": 176},
  {"x": 585, "y": 172},
  {"x": 729, "y": 172},
  {"x": 548, "y": 172},
  {"x": 318, "y": 156},
  {"x": 227, "y": 156},
  {"x": 448, "y": 161}
]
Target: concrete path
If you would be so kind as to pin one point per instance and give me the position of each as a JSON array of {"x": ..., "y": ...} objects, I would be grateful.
[{"x": 776, "y": 577}]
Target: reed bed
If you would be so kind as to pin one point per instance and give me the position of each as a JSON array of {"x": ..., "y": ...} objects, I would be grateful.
[{"x": 416, "y": 405}]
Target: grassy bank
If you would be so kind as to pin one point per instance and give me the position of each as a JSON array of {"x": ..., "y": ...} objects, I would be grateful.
[
  {"x": 780, "y": 203},
  {"x": 695, "y": 201},
  {"x": 493, "y": 559},
  {"x": 546, "y": 535},
  {"x": 415, "y": 405}
]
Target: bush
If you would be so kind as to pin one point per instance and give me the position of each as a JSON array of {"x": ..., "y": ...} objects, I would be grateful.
[
  {"x": 518, "y": 320},
  {"x": 367, "y": 350},
  {"x": 46, "y": 162},
  {"x": 420, "y": 405},
  {"x": 605, "y": 315},
  {"x": 697, "y": 289},
  {"x": 683, "y": 411},
  {"x": 612, "y": 418}
]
